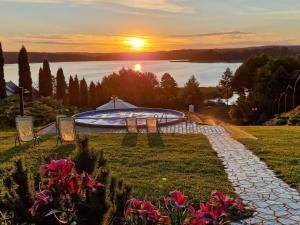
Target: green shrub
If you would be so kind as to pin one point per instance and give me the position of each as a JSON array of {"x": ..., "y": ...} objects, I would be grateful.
[
  {"x": 295, "y": 120},
  {"x": 102, "y": 206},
  {"x": 281, "y": 121}
]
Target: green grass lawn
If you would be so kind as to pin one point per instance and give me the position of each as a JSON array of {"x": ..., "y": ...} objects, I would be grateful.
[
  {"x": 151, "y": 164},
  {"x": 279, "y": 147}
]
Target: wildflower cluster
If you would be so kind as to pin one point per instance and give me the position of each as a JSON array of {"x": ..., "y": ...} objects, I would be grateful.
[
  {"x": 63, "y": 181},
  {"x": 175, "y": 209}
]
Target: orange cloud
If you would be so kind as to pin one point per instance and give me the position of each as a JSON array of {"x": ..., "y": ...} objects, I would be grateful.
[{"x": 118, "y": 43}]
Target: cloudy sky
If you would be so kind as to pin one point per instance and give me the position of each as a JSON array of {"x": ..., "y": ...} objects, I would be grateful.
[{"x": 105, "y": 25}]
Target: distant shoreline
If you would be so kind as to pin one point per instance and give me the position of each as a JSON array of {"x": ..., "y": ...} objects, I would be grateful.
[
  {"x": 173, "y": 61},
  {"x": 183, "y": 55}
]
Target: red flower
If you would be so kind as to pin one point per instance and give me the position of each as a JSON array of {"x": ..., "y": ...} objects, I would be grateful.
[
  {"x": 63, "y": 166},
  {"x": 145, "y": 211},
  {"x": 178, "y": 198},
  {"x": 89, "y": 183},
  {"x": 42, "y": 198}
]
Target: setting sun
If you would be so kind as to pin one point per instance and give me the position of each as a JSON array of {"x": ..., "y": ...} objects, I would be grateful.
[{"x": 136, "y": 43}]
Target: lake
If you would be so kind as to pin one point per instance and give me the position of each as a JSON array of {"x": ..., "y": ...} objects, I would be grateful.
[{"x": 208, "y": 74}]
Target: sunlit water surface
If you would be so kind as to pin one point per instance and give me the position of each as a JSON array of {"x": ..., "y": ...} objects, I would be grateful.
[{"x": 208, "y": 74}]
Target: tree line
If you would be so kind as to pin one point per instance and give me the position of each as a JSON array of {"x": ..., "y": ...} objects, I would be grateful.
[
  {"x": 266, "y": 86},
  {"x": 198, "y": 55},
  {"x": 142, "y": 89}
]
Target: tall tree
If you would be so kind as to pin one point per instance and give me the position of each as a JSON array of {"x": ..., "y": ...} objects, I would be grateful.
[
  {"x": 281, "y": 103},
  {"x": 2, "y": 80},
  {"x": 76, "y": 93},
  {"x": 60, "y": 84},
  {"x": 169, "y": 90},
  {"x": 25, "y": 80},
  {"x": 84, "y": 94},
  {"x": 41, "y": 82},
  {"x": 225, "y": 84},
  {"x": 92, "y": 95},
  {"x": 192, "y": 93},
  {"x": 45, "y": 82},
  {"x": 289, "y": 98},
  {"x": 296, "y": 97},
  {"x": 275, "y": 107},
  {"x": 71, "y": 91},
  {"x": 99, "y": 100}
]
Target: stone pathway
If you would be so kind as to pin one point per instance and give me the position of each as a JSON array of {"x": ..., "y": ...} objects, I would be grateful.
[{"x": 274, "y": 200}]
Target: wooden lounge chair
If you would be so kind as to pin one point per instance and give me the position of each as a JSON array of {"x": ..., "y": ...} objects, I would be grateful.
[
  {"x": 152, "y": 125},
  {"x": 57, "y": 120},
  {"x": 66, "y": 130},
  {"x": 131, "y": 123},
  {"x": 25, "y": 130}
]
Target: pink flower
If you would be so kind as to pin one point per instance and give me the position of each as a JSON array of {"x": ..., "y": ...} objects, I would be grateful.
[
  {"x": 63, "y": 166},
  {"x": 178, "y": 198},
  {"x": 42, "y": 198},
  {"x": 89, "y": 183}
]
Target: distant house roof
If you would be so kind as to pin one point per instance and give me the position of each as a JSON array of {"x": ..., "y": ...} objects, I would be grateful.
[
  {"x": 119, "y": 104},
  {"x": 11, "y": 88}
]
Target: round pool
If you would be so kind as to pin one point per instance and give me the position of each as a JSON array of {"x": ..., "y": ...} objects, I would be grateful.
[{"x": 117, "y": 117}]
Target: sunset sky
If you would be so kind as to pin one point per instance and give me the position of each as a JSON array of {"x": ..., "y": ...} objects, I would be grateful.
[{"x": 107, "y": 25}]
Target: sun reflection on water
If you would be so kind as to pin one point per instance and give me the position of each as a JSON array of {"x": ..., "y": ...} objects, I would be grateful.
[{"x": 137, "y": 67}]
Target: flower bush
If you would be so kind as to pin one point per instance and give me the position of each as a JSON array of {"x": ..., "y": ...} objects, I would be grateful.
[
  {"x": 65, "y": 186},
  {"x": 176, "y": 210}
]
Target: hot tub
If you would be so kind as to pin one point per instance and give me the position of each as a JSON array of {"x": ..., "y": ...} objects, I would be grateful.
[{"x": 117, "y": 117}]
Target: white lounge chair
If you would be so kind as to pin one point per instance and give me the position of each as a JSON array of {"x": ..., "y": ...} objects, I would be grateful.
[
  {"x": 25, "y": 130},
  {"x": 152, "y": 125},
  {"x": 66, "y": 130},
  {"x": 57, "y": 120},
  {"x": 131, "y": 123}
]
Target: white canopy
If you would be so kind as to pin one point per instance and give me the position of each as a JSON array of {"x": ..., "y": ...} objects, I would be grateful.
[{"x": 118, "y": 104}]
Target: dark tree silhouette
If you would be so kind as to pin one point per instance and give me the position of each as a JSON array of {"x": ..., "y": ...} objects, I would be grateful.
[
  {"x": 192, "y": 93},
  {"x": 71, "y": 91},
  {"x": 76, "y": 93},
  {"x": 92, "y": 95},
  {"x": 83, "y": 93},
  {"x": 281, "y": 103},
  {"x": 296, "y": 97},
  {"x": 25, "y": 80},
  {"x": 225, "y": 84},
  {"x": 41, "y": 81},
  {"x": 60, "y": 84},
  {"x": 169, "y": 90},
  {"x": 45, "y": 82},
  {"x": 2, "y": 80},
  {"x": 289, "y": 98}
]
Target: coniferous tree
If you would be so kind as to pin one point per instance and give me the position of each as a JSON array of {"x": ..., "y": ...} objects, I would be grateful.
[
  {"x": 275, "y": 107},
  {"x": 71, "y": 91},
  {"x": 60, "y": 84},
  {"x": 76, "y": 93},
  {"x": 289, "y": 98},
  {"x": 41, "y": 82},
  {"x": 25, "y": 80},
  {"x": 281, "y": 103},
  {"x": 84, "y": 94},
  {"x": 296, "y": 97},
  {"x": 169, "y": 90},
  {"x": 98, "y": 99},
  {"x": 192, "y": 93},
  {"x": 225, "y": 84},
  {"x": 45, "y": 84},
  {"x": 92, "y": 94},
  {"x": 2, "y": 80}
]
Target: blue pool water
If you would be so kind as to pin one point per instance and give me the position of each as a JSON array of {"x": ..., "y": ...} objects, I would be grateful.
[{"x": 117, "y": 117}]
